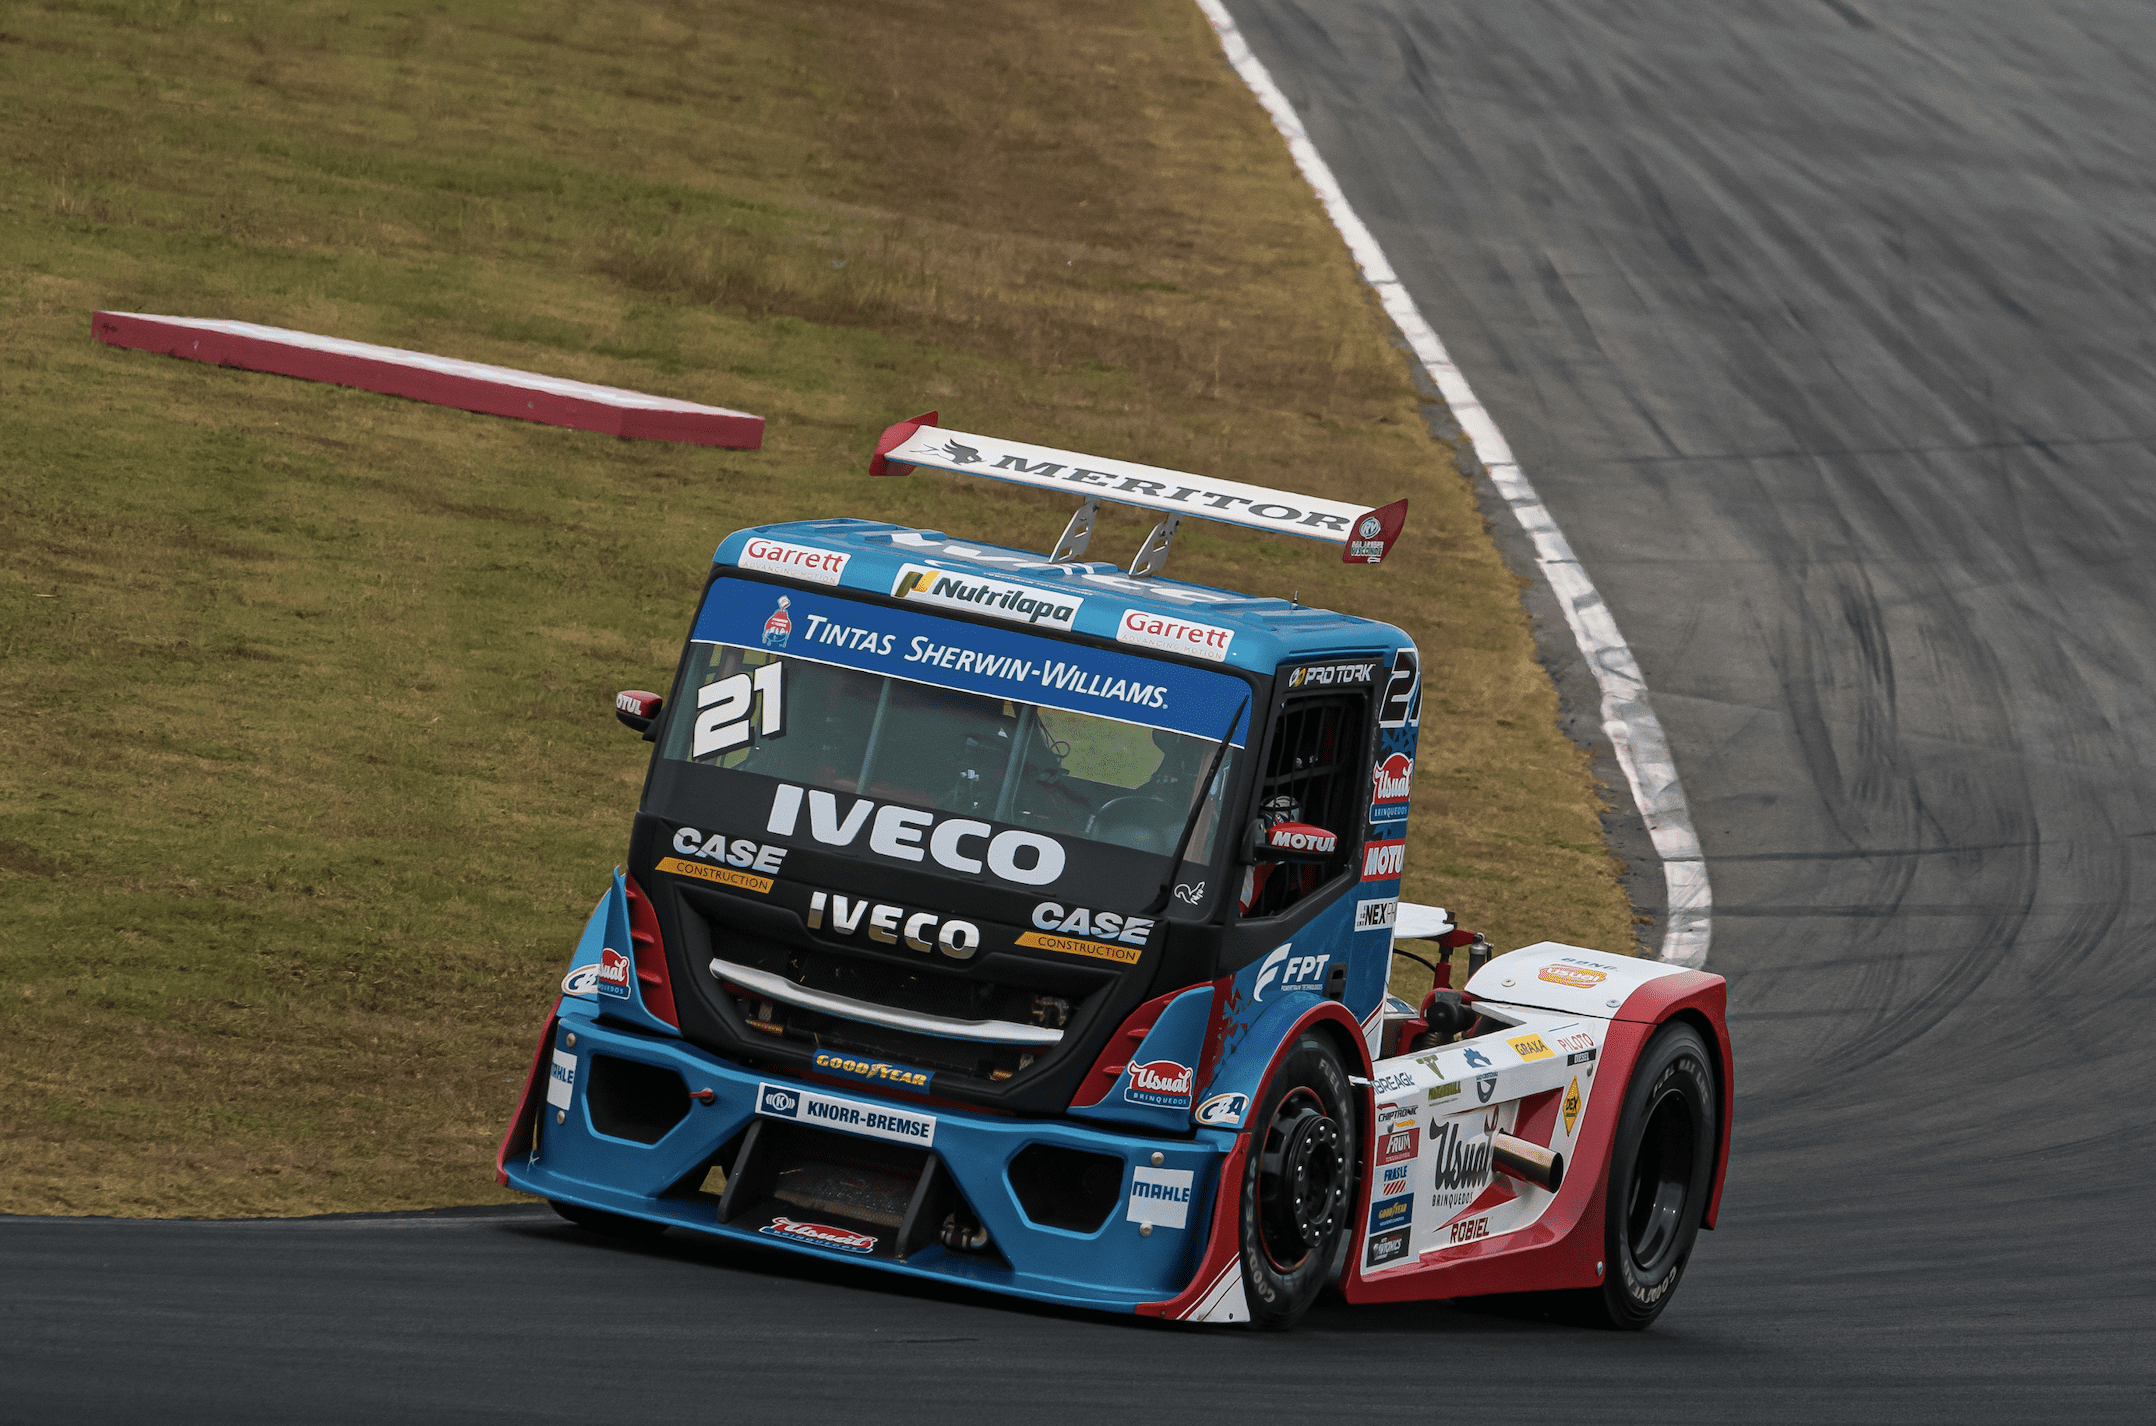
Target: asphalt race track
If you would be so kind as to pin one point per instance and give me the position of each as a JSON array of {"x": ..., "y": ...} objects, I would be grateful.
[{"x": 1827, "y": 329}]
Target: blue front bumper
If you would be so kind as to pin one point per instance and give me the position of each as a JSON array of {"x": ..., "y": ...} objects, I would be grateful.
[{"x": 1115, "y": 1267}]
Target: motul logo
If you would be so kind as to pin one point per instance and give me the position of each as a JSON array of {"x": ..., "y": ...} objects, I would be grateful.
[
  {"x": 1301, "y": 837},
  {"x": 1391, "y": 779},
  {"x": 1382, "y": 861}
]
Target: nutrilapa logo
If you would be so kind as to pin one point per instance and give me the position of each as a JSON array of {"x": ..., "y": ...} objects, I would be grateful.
[{"x": 1019, "y": 603}]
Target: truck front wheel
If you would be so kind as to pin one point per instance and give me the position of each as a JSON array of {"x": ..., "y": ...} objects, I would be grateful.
[{"x": 1297, "y": 1202}]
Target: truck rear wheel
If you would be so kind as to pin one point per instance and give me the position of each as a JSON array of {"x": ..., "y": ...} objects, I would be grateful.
[
  {"x": 1661, "y": 1171},
  {"x": 1297, "y": 1202}
]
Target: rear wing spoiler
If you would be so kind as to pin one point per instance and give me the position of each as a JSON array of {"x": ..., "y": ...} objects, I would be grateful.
[{"x": 1364, "y": 536}]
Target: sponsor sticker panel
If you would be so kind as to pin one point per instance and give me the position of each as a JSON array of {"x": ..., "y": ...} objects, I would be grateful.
[
  {"x": 561, "y": 1080},
  {"x": 820, "y": 1235},
  {"x": 1160, "y": 1082},
  {"x": 1160, "y": 1197},
  {"x": 852, "y": 1116}
]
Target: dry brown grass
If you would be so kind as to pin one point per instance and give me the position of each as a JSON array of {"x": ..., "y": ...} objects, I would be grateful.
[{"x": 306, "y": 770}]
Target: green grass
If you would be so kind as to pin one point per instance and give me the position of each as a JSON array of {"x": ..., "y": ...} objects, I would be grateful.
[{"x": 307, "y": 769}]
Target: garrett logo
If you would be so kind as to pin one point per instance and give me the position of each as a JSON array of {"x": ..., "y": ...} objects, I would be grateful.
[
  {"x": 614, "y": 972},
  {"x": 776, "y": 557},
  {"x": 1392, "y": 779},
  {"x": 1578, "y": 977},
  {"x": 1175, "y": 636},
  {"x": 1160, "y": 1082}
]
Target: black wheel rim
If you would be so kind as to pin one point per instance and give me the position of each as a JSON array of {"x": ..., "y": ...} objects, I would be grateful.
[
  {"x": 1661, "y": 1184},
  {"x": 1302, "y": 1180}
]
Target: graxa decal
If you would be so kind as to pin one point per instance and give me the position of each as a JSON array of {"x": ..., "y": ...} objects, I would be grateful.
[
  {"x": 893, "y": 924},
  {"x": 903, "y": 834}
]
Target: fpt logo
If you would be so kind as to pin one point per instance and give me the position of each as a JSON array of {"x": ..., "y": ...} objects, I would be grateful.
[
  {"x": 780, "y": 626},
  {"x": 614, "y": 972},
  {"x": 1293, "y": 972}
]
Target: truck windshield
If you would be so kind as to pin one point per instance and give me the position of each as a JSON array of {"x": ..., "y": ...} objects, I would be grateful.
[{"x": 801, "y": 714}]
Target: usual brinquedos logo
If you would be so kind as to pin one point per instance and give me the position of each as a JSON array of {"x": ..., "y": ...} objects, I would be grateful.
[
  {"x": 1392, "y": 780},
  {"x": 614, "y": 972},
  {"x": 823, "y": 1235},
  {"x": 780, "y": 626},
  {"x": 1161, "y": 1082},
  {"x": 1578, "y": 977}
]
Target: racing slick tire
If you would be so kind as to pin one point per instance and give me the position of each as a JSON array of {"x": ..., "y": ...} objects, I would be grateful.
[
  {"x": 1661, "y": 1172},
  {"x": 611, "y": 1225},
  {"x": 1298, "y": 1194}
]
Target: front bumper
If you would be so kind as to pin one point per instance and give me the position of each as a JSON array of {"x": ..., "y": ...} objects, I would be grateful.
[{"x": 660, "y": 1172}]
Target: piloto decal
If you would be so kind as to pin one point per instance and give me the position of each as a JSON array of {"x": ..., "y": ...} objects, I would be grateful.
[
  {"x": 1160, "y": 1197},
  {"x": 1162, "y": 1082},
  {"x": 1223, "y": 1111},
  {"x": 1292, "y": 972},
  {"x": 906, "y": 835},
  {"x": 822, "y": 1235},
  {"x": 979, "y": 594},
  {"x": 615, "y": 973},
  {"x": 778, "y": 557}
]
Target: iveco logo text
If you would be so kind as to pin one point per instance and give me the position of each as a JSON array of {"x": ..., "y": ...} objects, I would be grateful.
[
  {"x": 892, "y": 924},
  {"x": 903, "y": 834}
]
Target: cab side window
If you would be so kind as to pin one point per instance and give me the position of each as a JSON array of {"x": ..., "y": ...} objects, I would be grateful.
[{"x": 1315, "y": 771}]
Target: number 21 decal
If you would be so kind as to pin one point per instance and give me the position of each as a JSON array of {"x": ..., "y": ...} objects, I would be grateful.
[
  {"x": 722, "y": 719},
  {"x": 1403, "y": 701}
]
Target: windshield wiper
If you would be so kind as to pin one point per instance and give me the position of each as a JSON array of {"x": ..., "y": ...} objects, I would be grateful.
[{"x": 1197, "y": 807}]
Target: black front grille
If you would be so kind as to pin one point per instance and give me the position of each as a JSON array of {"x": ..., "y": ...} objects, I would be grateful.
[{"x": 1011, "y": 992}]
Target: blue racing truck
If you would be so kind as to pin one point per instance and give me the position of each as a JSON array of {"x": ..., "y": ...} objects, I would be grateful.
[{"x": 1026, "y": 922}]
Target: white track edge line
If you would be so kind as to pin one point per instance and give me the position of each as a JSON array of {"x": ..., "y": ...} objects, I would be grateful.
[{"x": 1628, "y": 717}]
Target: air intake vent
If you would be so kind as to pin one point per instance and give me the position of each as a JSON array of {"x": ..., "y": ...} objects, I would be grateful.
[
  {"x": 629, "y": 1099},
  {"x": 1067, "y": 1188}
]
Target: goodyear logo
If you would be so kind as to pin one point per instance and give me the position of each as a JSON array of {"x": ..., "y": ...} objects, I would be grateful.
[
  {"x": 1530, "y": 1047},
  {"x": 874, "y": 1071},
  {"x": 1572, "y": 1106}
]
